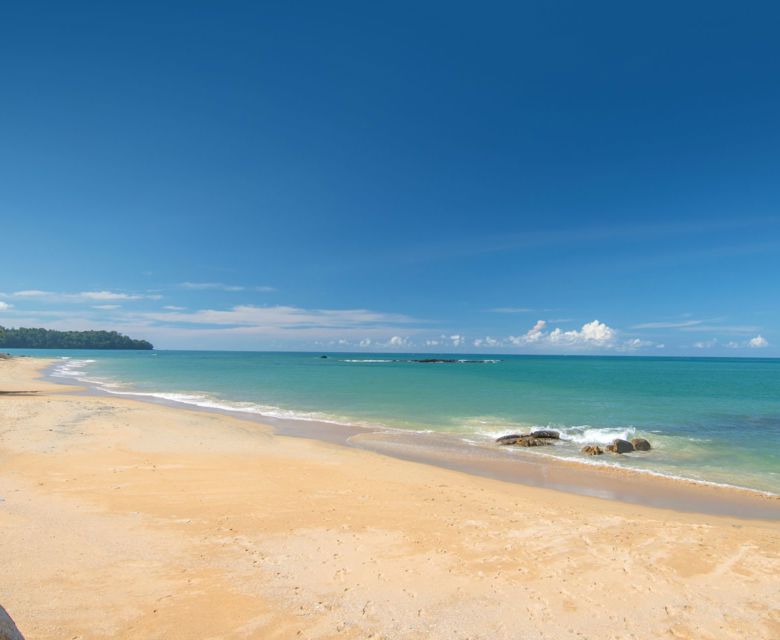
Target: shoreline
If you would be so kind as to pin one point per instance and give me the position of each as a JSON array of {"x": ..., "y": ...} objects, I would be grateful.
[
  {"x": 124, "y": 519},
  {"x": 536, "y": 469}
]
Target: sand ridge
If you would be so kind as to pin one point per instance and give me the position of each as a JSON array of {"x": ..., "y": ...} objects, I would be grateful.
[{"x": 122, "y": 519}]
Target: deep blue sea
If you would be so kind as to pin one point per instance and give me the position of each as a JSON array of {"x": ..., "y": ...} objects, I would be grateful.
[{"x": 709, "y": 419}]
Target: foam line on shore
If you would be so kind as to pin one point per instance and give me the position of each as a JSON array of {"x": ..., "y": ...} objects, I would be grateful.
[{"x": 579, "y": 434}]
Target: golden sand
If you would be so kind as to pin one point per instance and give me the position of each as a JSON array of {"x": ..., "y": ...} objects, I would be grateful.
[{"x": 122, "y": 519}]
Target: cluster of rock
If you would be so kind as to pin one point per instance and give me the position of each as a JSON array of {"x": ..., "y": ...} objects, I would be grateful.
[
  {"x": 547, "y": 437},
  {"x": 618, "y": 446}
]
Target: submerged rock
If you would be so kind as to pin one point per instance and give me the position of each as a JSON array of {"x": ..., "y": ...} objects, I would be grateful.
[
  {"x": 592, "y": 450},
  {"x": 8, "y": 630},
  {"x": 620, "y": 446},
  {"x": 640, "y": 444}
]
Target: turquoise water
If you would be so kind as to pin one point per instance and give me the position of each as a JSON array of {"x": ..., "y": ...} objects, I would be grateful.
[{"x": 710, "y": 419}]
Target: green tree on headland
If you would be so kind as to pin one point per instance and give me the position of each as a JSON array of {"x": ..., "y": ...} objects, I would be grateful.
[{"x": 24, "y": 338}]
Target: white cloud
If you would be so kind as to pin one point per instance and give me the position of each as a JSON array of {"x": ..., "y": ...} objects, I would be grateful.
[
  {"x": 113, "y": 295},
  {"x": 593, "y": 334},
  {"x": 365, "y": 342},
  {"x": 487, "y": 342},
  {"x": 758, "y": 342},
  {"x": 173, "y": 307},
  {"x": 4, "y": 306},
  {"x": 636, "y": 343},
  {"x": 398, "y": 341},
  {"x": 106, "y": 307},
  {"x": 219, "y": 286},
  {"x": 82, "y": 296},
  {"x": 457, "y": 340},
  {"x": 705, "y": 344},
  {"x": 534, "y": 334},
  {"x": 31, "y": 293}
]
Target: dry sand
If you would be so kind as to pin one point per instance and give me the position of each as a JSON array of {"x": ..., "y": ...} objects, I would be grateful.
[{"x": 121, "y": 519}]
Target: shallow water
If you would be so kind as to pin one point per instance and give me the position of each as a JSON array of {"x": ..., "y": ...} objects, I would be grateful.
[{"x": 714, "y": 420}]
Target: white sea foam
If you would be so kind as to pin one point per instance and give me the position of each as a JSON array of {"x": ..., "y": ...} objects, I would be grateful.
[
  {"x": 651, "y": 472},
  {"x": 483, "y": 429},
  {"x": 368, "y": 360},
  {"x": 586, "y": 434}
]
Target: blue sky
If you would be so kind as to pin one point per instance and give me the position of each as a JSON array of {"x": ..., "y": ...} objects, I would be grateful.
[{"x": 547, "y": 177}]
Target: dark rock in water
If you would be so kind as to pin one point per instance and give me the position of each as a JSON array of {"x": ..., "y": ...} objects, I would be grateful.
[
  {"x": 592, "y": 450},
  {"x": 8, "y": 630},
  {"x": 534, "y": 442},
  {"x": 640, "y": 444},
  {"x": 523, "y": 440},
  {"x": 510, "y": 439},
  {"x": 620, "y": 446},
  {"x": 546, "y": 433},
  {"x": 323, "y": 356},
  {"x": 434, "y": 361}
]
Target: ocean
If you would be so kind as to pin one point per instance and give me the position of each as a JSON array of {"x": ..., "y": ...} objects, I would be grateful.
[{"x": 715, "y": 420}]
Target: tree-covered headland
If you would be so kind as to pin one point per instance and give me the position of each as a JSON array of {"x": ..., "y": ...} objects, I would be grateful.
[{"x": 24, "y": 338}]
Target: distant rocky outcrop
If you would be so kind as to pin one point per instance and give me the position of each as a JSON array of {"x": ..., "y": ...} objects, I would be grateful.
[
  {"x": 8, "y": 630},
  {"x": 640, "y": 444},
  {"x": 592, "y": 450},
  {"x": 620, "y": 446}
]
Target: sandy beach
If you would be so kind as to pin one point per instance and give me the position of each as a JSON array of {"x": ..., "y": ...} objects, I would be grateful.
[{"x": 123, "y": 519}]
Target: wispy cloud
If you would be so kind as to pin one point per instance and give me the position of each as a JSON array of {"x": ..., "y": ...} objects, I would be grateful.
[
  {"x": 4, "y": 306},
  {"x": 668, "y": 325},
  {"x": 282, "y": 316},
  {"x": 712, "y": 325},
  {"x": 31, "y": 293},
  {"x": 113, "y": 295},
  {"x": 723, "y": 328},
  {"x": 81, "y": 296},
  {"x": 592, "y": 236},
  {"x": 220, "y": 286},
  {"x": 510, "y": 310},
  {"x": 106, "y": 307}
]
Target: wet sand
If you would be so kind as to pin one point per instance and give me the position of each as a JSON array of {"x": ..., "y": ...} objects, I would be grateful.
[
  {"x": 510, "y": 464},
  {"x": 123, "y": 519}
]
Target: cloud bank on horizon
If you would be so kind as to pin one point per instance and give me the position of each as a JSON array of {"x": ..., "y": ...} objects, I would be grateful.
[{"x": 253, "y": 326}]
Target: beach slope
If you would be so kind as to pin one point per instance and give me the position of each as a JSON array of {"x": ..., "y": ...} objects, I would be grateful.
[{"x": 121, "y": 519}]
